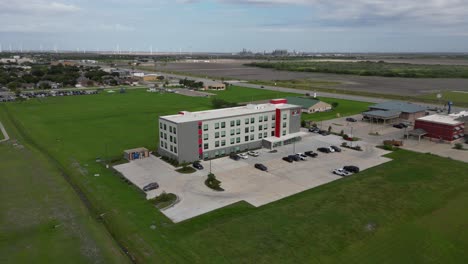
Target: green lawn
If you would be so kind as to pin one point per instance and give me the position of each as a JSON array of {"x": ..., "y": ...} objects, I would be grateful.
[
  {"x": 456, "y": 97},
  {"x": 42, "y": 219},
  {"x": 409, "y": 210}
]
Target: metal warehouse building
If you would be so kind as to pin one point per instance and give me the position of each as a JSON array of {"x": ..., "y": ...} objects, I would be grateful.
[
  {"x": 191, "y": 136},
  {"x": 441, "y": 127},
  {"x": 391, "y": 111}
]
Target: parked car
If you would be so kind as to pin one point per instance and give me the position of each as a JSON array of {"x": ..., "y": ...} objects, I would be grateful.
[
  {"x": 331, "y": 149},
  {"x": 243, "y": 156},
  {"x": 301, "y": 156},
  {"x": 234, "y": 157},
  {"x": 294, "y": 157},
  {"x": 352, "y": 169},
  {"x": 288, "y": 159},
  {"x": 400, "y": 125},
  {"x": 151, "y": 186},
  {"x": 314, "y": 129},
  {"x": 253, "y": 153},
  {"x": 197, "y": 165},
  {"x": 350, "y": 119},
  {"x": 324, "y": 150},
  {"x": 261, "y": 167},
  {"x": 311, "y": 154},
  {"x": 273, "y": 151},
  {"x": 335, "y": 148},
  {"x": 324, "y": 133},
  {"x": 341, "y": 172}
]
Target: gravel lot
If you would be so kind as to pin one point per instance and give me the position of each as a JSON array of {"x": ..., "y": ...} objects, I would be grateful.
[{"x": 242, "y": 181}]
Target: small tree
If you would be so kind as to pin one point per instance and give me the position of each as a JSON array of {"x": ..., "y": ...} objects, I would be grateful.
[
  {"x": 458, "y": 146},
  {"x": 303, "y": 123},
  {"x": 342, "y": 133},
  {"x": 335, "y": 104},
  {"x": 329, "y": 129}
]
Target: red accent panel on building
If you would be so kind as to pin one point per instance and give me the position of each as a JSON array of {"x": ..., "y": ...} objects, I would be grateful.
[
  {"x": 181, "y": 113},
  {"x": 278, "y": 101},
  {"x": 278, "y": 123},
  {"x": 439, "y": 131}
]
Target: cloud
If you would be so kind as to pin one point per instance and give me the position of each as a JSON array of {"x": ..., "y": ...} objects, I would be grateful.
[{"x": 36, "y": 7}]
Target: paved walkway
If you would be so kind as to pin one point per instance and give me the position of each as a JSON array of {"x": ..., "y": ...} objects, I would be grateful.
[{"x": 5, "y": 134}]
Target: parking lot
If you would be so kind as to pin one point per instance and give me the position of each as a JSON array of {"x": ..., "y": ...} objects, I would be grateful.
[{"x": 242, "y": 181}]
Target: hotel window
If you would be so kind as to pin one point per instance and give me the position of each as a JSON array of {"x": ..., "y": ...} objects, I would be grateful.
[
  {"x": 285, "y": 116},
  {"x": 205, "y": 127},
  {"x": 160, "y": 125},
  {"x": 238, "y": 122},
  {"x": 170, "y": 139},
  {"x": 216, "y": 144},
  {"x": 252, "y": 137},
  {"x": 232, "y": 141},
  {"x": 216, "y": 125},
  {"x": 217, "y": 135},
  {"x": 265, "y": 118},
  {"x": 265, "y": 134},
  {"x": 246, "y": 130},
  {"x": 238, "y": 131},
  {"x": 170, "y": 129},
  {"x": 260, "y": 127},
  {"x": 233, "y": 132},
  {"x": 223, "y": 143},
  {"x": 223, "y": 124},
  {"x": 260, "y": 119},
  {"x": 223, "y": 152},
  {"x": 175, "y": 140},
  {"x": 232, "y": 123},
  {"x": 205, "y": 136},
  {"x": 199, "y": 126},
  {"x": 273, "y": 117},
  {"x": 273, "y": 125},
  {"x": 246, "y": 121},
  {"x": 205, "y": 146},
  {"x": 238, "y": 140},
  {"x": 252, "y": 129},
  {"x": 162, "y": 135},
  {"x": 259, "y": 135},
  {"x": 223, "y": 133},
  {"x": 265, "y": 126},
  {"x": 252, "y": 120},
  {"x": 175, "y": 150},
  {"x": 284, "y": 132},
  {"x": 172, "y": 148},
  {"x": 165, "y": 136},
  {"x": 246, "y": 138},
  {"x": 165, "y": 145},
  {"x": 284, "y": 124},
  {"x": 272, "y": 133},
  {"x": 174, "y": 130},
  {"x": 165, "y": 127},
  {"x": 162, "y": 144}
]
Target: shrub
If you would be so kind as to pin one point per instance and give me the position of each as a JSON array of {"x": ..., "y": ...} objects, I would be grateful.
[
  {"x": 458, "y": 146},
  {"x": 213, "y": 183},
  {"x": 344, "y": 144},
  {"x": 342, "y": 133},
  {"x": 329, "y": 129}
]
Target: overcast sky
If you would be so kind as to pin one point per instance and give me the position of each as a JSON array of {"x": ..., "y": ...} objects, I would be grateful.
[{"x": 230, "y": 25}]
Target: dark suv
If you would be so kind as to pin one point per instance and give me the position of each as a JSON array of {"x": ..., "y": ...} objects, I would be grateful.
[
  {"x": 261, "y": 167},
  {"x": 234, "y": 157},
  {"x": 324, "y": 150},
  {"x": 151, "y": 186},
  {"x": 350, "y": 119},
  {"x": 353, "y": 169},
  {"x": 288, "y": 159},
  {"x": 311, "y": 154},
  {"x": 197, "y": 165}
]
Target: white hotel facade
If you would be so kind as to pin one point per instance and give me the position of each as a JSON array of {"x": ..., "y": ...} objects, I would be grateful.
[{"x": 191, "y": 136}]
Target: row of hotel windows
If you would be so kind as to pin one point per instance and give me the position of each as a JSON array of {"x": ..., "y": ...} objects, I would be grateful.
[
  {"x": 246, "y": 130},
  {"x": 171, "y": 138},
  {"x": 237, "y": 140},
  {"x": 238, "y": 122},
  {"x": 171, "y": 128},
  {"x": 172, "y": 148}
]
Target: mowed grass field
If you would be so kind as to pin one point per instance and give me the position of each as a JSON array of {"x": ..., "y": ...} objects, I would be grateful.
[
  {"x": 42, "y": 219},
  {"x": 456, "y": 97},
  {"x": 410, "y": 210}
]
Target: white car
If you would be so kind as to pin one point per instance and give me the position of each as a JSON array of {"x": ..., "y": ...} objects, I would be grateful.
[
  {"x": 243, "y": 156},
  {"x": 301, "y": 156},
  {"x": 342, "y": 172},
  {"x": 253, "y": 153}
]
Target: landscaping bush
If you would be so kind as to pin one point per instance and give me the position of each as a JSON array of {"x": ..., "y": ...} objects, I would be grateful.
[
  {"x": 458, "y": 146},
  {"x": 186, "y": 169},
  {"x": 213, "y": 183},
  {"x": 164, "y": 200}
]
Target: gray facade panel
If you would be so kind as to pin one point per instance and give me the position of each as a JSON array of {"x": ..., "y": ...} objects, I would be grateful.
[
  {"x": 188, "y": 142},
  {"x": 295, "y": 122}
]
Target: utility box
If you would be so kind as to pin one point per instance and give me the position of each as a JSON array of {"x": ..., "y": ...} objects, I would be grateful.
[{"x": 135, "y": 154}]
